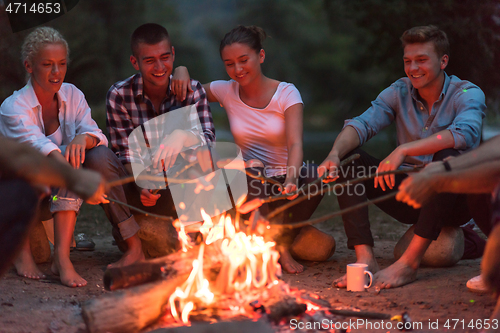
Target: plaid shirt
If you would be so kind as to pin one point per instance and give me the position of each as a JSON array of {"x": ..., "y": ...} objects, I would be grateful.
[{"x": 128, "y": 107}]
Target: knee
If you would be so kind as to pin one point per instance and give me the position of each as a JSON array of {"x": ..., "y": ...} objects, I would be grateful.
[
  {"x": 102, "y": 160},
  {"x": 95, "y": 157}
]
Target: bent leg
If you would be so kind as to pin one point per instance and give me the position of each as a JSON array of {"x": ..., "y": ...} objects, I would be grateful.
[{"x": 125, "y": 227}]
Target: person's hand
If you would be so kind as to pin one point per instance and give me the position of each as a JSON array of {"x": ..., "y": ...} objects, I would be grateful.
[
  {"x": 331, "y": 166},
  {"x": 75, "y": 151},
  {"x": 418, "y": 188},
  {"x": 290, "y": 187},
  {"x": 99, "y": 196},
  {"x": 181, "y": 83},
  {"x": 204, "y": 158},
  {"x": 89, "y": 185},
  {"x": 167, "y": 152},
  {"x": 390, "y": 163},
  {"x": 149, "y": 199}
]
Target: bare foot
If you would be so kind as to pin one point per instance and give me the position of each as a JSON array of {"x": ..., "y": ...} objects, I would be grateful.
[
  {"x": 26, "y": 267},
  {"x": 64, "y": 268},
  {"x": 396, "y": 275},
  {"x": 133, "y": 255},
  {"x": 288, "y": 263}
]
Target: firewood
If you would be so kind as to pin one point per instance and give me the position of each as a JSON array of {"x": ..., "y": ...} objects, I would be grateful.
[
  {"x": 154, "y": 269},
  {"x": 129, "y": 310},
  {"x": 132, "y": 309}
]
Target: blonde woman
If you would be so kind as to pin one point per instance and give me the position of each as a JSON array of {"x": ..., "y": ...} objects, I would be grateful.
[{"x": 53, "y": 117}]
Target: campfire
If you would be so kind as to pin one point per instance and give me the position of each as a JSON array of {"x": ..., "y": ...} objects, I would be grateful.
[
  {"x": 250, "y": 266},
  {"x": 226, "y": 270},
  {"x": 222, "y": 275}
]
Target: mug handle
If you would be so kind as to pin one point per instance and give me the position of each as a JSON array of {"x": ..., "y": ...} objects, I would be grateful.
[{"x": 371, "y": 279}]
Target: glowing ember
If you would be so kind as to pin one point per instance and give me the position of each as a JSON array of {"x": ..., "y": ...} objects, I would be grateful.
[{"x": 250, "y": 265}]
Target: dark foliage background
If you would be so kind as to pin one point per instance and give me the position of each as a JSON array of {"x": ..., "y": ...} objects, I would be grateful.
[{"x": 340, "y": 54}]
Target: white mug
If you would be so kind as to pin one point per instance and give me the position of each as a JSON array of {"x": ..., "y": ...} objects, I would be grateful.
[{"x": 356, "y": 277}]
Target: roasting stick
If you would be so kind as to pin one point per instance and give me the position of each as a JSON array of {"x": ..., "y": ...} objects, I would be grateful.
[
  {"x": 257, "y": 202},
  {"x": 331, "y": 188},
  {"x": 329, "y": 216}
]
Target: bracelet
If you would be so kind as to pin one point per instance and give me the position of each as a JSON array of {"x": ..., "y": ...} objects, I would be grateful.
[{"x": 447, "y": 166}]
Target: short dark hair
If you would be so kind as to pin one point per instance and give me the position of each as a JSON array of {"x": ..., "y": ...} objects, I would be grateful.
[
  {"x": 149, "y": 33},
  {"x": 428, "y": 33},
  {"x": 252, "y": 36}
]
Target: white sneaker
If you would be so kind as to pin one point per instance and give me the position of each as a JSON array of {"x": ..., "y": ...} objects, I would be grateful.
[{"x": 477, "y": 285}]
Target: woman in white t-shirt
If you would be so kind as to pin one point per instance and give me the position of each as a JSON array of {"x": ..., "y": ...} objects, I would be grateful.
[
  {"x": 49, "y": 114},
  {"x": 265, "y": 117}
]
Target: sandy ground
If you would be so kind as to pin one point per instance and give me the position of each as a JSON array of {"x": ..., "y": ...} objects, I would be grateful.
[{"x": 439, "y": 294}]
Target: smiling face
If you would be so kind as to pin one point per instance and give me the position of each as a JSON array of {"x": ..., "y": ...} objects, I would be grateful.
[
  {"x": 155, "y": 62},
  {"x": 424, "y": 67},
  {"x": 242, "y": 62},
  {"x": 48, "y": 69}
]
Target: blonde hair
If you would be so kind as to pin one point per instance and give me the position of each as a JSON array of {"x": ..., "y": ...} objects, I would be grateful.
[{"x": 37, "y": 39}]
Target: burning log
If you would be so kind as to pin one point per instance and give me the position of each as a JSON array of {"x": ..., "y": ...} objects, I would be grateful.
[
  {"x": 129, "y": 310},
  {"x": 132, "y": 309}
]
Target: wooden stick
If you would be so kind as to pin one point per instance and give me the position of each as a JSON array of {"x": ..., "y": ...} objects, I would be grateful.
[
  {"x": 331, "y": 188},
  {"x": 161, "y": 217},
  {"x": 329, "y": 216},
  {"x": 257, "y": 202}
]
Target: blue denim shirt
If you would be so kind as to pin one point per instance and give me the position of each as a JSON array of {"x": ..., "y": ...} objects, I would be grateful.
[{"x": 460, "y": 109}]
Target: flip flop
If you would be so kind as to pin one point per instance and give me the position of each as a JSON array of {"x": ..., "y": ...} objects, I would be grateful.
[{"x": 84, "y": 243}]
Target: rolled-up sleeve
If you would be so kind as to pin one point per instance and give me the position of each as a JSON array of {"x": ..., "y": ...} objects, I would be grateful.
[
  {"x": 466, "y": 127},
  {"x": 18, "y": 121},
  {"x": 380, "y": 115}
]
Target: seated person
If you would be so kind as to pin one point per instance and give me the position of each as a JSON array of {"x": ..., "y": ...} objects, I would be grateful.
[
  {"x": 436, "y": 116},
  {"x": 475, "y": 175},
  {"x": 24, "y": 174},
  {"x": 131, "y": 103},
  {"x": 265, "y": 117},
  {"x": 49, "y": 114}
]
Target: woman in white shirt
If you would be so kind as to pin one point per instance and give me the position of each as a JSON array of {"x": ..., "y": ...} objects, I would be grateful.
[
  {"x": 265, "y": 117},
  {"x": 53, "y": 117}
]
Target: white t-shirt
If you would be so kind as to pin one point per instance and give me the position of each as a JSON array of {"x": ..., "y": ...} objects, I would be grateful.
[{"x": 260, "y": 133}]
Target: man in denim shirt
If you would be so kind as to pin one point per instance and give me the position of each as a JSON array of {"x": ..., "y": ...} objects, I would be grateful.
[{"x": 437, "y": 116}]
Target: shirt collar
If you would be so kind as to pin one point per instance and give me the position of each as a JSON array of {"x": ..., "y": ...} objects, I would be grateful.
[
  {"x": 443, "y": 92},
  {"x": 33, "y": 100},
  {"x": 138, "y": 86}
]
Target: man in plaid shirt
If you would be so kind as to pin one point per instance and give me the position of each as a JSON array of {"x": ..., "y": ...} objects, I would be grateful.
[{"x": 132, "y": 102}]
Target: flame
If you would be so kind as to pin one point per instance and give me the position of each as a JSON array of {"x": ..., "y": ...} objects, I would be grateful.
[{"x": 250, "y": 263}]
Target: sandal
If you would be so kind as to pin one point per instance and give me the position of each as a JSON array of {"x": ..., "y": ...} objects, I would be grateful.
[{"x": 84, "y": 243}]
